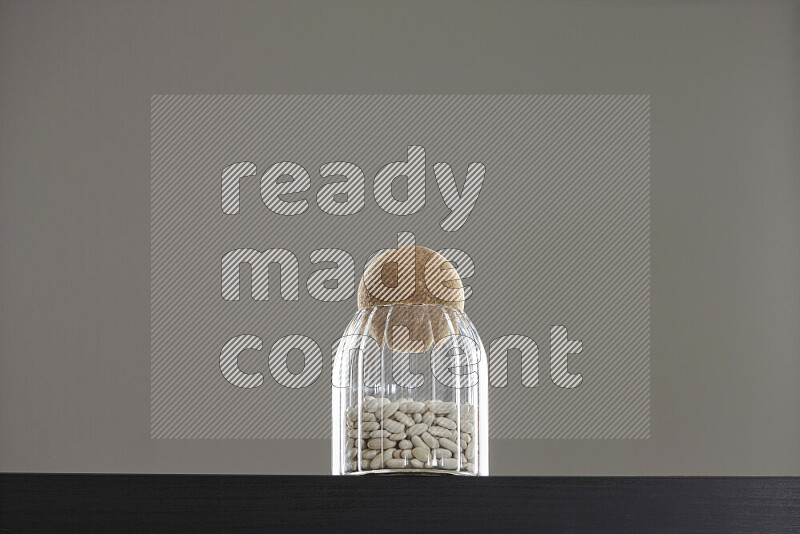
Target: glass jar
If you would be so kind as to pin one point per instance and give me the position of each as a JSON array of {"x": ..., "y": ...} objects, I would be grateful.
[{"x": 410, "y": 393}]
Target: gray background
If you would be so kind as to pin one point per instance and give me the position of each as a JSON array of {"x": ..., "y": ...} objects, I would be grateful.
[{"x": 77, "y": 77}]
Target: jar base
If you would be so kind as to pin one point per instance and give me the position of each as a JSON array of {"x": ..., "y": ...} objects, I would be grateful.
[{"x": 414, "y": 471}]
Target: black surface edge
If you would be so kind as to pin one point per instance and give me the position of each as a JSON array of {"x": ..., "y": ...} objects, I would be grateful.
[{"x": 251, "y": 503}]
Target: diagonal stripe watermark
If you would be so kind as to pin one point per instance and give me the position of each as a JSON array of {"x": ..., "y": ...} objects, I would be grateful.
[{"x": 265, "y": 208}]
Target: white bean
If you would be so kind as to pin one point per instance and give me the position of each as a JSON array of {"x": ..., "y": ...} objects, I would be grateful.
[
  {"x": 441, "y": 453},
  {"x": 417, "y": 442},
  {"x": 393, "y": 426},
  {"x": 417, "y": 429},
  {"x": 449, "y": 463},
  {"x": 420, "y": 454},
  {"x": 441, "y": 407},
  {"x": 430, "y": 441},
  {"x": 370, "y": 404},
  {"x": 413, "y": 407},
  {"x": 380, "y": 443},
  {"x": 449, "y": 445},
  {"x": 377, "y": 462},
  {"x": 439, "y": 432},
  {"x": 403, "y": 418},
  {"x": 445, "y": 422},
  {"x": 470, "y": 452},
  {"x": 389, "y": 410}
]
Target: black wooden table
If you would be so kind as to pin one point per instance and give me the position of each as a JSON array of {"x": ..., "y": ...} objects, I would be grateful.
[{"x": 209, "y": 503}]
